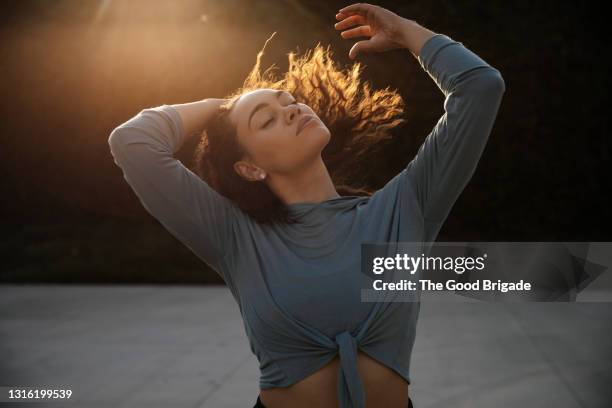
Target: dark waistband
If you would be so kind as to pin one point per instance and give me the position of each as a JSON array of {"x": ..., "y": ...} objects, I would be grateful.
[{"x": 259, "y": 404}]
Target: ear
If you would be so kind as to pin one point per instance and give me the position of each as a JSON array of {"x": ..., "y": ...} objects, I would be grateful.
[{"x": 249, "y": 171}]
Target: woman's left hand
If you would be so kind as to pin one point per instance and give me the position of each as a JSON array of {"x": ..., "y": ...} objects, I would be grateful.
[{"x": 385, "y": 28}]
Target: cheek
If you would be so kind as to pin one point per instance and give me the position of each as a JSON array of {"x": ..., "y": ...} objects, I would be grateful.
[
  {"x": 282, "y": 154},
  {"x": 271, "y": 150}
]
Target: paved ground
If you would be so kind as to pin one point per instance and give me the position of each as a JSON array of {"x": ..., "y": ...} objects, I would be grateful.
[{"x": 150, "y": 346}]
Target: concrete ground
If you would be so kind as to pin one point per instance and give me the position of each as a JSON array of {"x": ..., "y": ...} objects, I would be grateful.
[{"x": 177, "y": 346}]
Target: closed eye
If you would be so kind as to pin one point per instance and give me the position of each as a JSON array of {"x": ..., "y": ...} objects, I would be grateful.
[{"x": 269, "y": 121}]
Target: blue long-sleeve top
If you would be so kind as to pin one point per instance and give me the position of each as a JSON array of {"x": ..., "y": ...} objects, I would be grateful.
[{"x": 298, "y": 286}]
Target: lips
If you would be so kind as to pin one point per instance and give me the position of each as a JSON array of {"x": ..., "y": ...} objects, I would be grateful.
[{"x": 303, "y": 122}]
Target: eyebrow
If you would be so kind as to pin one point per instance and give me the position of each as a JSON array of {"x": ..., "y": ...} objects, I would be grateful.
[{"x": 262, "y": 105}]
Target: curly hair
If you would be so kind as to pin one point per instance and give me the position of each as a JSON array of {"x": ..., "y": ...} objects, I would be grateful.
[{"x": 356, "y": 116}]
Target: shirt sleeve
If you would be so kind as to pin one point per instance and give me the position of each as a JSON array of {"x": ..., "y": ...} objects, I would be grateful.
[
  {"x": 448, "y": 157},
  {"x": 197, "y": 215}
]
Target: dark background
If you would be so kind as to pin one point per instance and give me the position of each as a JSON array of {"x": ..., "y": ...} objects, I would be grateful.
[{"x": 71, "y": 71}]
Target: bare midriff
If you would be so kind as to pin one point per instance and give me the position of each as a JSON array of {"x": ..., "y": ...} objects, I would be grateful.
[{"x": 383, "y": 387}]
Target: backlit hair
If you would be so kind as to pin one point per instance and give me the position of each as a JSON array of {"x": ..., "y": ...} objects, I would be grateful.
[{"x": 356, "y": 116}]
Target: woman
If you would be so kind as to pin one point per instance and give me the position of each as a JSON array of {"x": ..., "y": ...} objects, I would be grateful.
[{"x": 265, "y": 212}]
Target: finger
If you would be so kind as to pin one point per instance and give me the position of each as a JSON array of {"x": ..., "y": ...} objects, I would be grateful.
[
  {"x": 359, "y": 47},
  {"x": 349, "y": 22},
  {"x": 346, "y": 14},
  {"x": 357, "y": 8},
  {"x": 340, "y": 16},
  {"x": 362, "y": 31}
]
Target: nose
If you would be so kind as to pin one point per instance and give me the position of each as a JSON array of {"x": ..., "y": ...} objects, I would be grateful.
[{"x": 294, "y": 112}]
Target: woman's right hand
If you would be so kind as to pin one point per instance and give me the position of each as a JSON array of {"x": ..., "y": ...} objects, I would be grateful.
[
  {"x": 196, "y": 115},
  {"x": 385, "y": 28}
]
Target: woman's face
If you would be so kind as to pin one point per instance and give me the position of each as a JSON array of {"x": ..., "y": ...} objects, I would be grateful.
[{"x": 270, "y": 128}]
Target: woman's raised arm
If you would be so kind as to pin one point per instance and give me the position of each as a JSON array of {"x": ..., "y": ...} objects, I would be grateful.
[
  {"x": 144, "y": 147},
  {"x": 473, "y": 89},
  {"x": 448, "y": 157}
]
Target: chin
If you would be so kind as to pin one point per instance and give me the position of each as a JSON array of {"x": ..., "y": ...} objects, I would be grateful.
[
  {"x": 314, "y": 142},
  {"x": 319, "y": 135}
]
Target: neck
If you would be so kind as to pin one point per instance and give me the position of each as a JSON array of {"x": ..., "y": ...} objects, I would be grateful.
[{"x": 311, "y": 184}]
